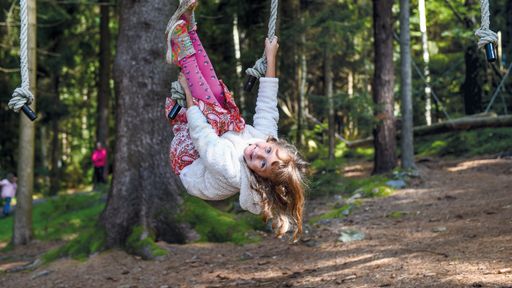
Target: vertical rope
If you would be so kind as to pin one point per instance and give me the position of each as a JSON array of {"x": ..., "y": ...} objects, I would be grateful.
[
  {"x": 22, "y": 95},
  {"x": 484, "y": 33},
  {"x": 260, "y": 67}
]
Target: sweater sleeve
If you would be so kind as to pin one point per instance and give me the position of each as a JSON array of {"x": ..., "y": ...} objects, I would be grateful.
[
  {"x": 267, "y": 115},
  {"x": 218, "y": 154}
]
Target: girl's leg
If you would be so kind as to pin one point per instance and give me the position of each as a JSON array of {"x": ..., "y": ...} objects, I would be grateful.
[
  {"x": 206, "y": 67},
  {"x": 198, "y": 85}
]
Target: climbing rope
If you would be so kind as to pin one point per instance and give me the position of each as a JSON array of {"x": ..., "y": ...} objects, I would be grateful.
[
  {"x": 487, "y": 37},
  {"x": 484, "y": 33},
  {"x": 22, "y": 97},
  {"x": 260, "y": 67}
]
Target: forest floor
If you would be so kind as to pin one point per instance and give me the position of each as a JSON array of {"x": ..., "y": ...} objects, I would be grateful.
[{"x": 452, "y": 227}]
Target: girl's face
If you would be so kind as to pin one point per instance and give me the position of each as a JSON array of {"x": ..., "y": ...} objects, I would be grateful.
[{"x": 260, "y": 155}]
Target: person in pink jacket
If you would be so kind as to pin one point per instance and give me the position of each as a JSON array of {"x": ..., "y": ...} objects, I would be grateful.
[
  {"x": 99, "y": 160},
  {"x": 8, "y": 192}
]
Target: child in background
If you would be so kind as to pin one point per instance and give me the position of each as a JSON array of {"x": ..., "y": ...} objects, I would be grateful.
[
  {"x": 8, "y": 192},
  {"x": 214, "y": 152}
]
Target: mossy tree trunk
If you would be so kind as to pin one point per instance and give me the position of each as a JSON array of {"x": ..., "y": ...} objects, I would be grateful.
[{"x": 144, "y": 190}]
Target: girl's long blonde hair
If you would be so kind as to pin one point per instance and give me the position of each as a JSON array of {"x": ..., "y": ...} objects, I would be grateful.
[{"x": 282, "y": 194}]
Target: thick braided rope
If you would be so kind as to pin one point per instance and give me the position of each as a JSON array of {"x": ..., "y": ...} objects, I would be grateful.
[
  {"x": 22, "y": 95},
  {"x": 177, "y": 94},
  {"x": 484, "y": 33},
  {"x": 260, "y": 67}
]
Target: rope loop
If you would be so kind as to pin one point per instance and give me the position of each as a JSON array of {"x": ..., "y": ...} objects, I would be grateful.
[{"x": 20, "y": 97}]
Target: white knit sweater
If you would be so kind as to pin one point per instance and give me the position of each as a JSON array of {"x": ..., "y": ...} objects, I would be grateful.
[{"x": 220, "y": 171}]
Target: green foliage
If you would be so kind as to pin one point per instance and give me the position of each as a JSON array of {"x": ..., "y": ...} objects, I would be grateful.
[
  {"x": 466, "y": 143},
  {"x": 60, "y": 218},
  {"x": 217, "y": 226},
  {"x": 143, "y": 243}
]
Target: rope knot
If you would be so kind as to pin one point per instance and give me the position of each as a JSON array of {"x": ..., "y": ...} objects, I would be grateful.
[
  {"x": 259, "y": 69},
  {"x": 20, "y": 97},
  {"x": 486, "y": 36},
  {"x": 177, "y": 94}
]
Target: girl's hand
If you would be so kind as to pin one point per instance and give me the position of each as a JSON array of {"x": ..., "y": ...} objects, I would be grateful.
[
  {"x": 271, "y": 46},
  {"x": 186, "y": 90}
]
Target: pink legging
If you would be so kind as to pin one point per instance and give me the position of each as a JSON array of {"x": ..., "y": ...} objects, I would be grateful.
[{"x": 201, "y": 77}]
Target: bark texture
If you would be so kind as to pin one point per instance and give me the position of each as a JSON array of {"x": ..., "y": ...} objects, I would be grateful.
[
  {"x": 144, "y": 190},
  {"x": 382, "y": 91}
]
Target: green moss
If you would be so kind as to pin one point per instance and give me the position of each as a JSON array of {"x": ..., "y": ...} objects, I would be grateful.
[
  {"x": 341, "y": 212},
  {"x": 60, "y": 218},
  {"x": 466, "y": 143},
  {"x": 87, "y": 243},
  {"x": 396, "y": 214},
  {"x": 217, "y": 226},
  {"x": 373, "y": 186},
  {"x": 143, "y": 243}
]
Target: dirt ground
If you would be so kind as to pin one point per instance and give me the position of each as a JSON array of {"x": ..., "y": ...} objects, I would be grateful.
[{"x": 456, "y": 231}]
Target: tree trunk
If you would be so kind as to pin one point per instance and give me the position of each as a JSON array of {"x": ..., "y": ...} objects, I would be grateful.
[
  {"x": 22, "y": 228},
  {"x": 56, "y": 151},
  {"x": 426, "y": 60},
  {"x": 289, "y": 64},
  {"x": 302, "y": 87},
  {"x": 104, "y": 75},
  {"x": 508, "y": 35},
  {"x": 407, "y": 140},
  {"x": 475, "y": 70},
  {"x": 382, "y": 90},
  {"x": 43, "y": 132},
  {"x": 144, "y": 190},
  {"x": 330, "y": 101},
  {"x": 239, "y": 89},
  {"x": 474, "y": 80}
]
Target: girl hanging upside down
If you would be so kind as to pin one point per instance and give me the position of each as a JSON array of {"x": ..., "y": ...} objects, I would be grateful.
[{"x": 214, "y": 152}]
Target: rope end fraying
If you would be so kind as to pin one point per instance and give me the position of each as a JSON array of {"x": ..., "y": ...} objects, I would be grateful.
[{"x": 20, "y": 97}]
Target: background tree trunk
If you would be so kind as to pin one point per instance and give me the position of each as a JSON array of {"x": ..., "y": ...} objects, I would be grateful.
[
  {"x": 22, "y": 228},
  {"x": 56, "y": 149},
  {"x": 473, "y": 81},
  {"x": 426, "y": 60},
  {"x": 144, "y": 190},
  {"x": 407, "y": 140},
  {"x": 330, "y": 101},
  {"x": 303, "y": 76},
  {"x": 104, "y": 75},
  {"x": 383, "y": 79},
  {"x": 475, "y": 70}
]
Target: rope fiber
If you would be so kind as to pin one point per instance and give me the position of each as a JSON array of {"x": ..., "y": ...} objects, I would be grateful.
[{"x": 260, "y": 67}]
